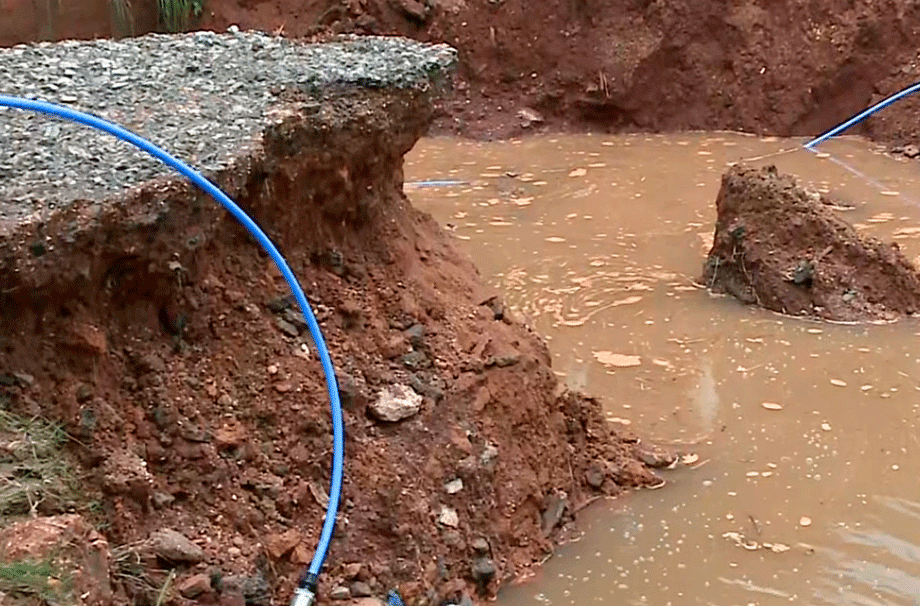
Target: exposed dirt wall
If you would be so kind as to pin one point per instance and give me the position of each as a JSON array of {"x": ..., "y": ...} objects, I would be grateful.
[{"x": 163, "y": 340}]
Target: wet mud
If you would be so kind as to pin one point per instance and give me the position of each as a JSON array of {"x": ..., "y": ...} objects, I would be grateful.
[{"x": 780, "y": 246}]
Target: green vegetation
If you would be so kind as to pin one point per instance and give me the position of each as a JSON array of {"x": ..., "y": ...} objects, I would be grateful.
[
  {"x": 176, "y": 15},
  {"x": 38, "y": 582},
  {"x": 122, "y": 14},
  {"x": 33, "y": 467}
]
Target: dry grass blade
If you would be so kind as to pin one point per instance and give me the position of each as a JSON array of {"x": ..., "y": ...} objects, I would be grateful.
[{"x": 33, "y": 468}]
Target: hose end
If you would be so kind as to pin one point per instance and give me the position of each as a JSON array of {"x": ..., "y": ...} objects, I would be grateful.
[{"x": 303, "y": 597}]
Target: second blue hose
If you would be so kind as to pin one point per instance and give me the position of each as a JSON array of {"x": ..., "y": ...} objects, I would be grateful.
[{"x": 863, "y": 115}]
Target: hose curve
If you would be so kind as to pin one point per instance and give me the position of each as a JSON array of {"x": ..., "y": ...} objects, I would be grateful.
[{"x": 338, "y": 430}]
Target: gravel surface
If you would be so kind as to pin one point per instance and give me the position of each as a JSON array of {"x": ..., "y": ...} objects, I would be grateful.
[{"x": 203, "y": 97}]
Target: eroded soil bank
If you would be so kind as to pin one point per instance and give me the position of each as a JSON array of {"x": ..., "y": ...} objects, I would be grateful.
[
  {"x": 164, "y": 342},
  {"x": 779, "y": 67},
  {"x": 780, "y": 246}
]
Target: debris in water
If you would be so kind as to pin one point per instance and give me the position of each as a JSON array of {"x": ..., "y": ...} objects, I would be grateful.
[
  {"x": 690, "y": 459},
  {"x": 555, "y": 239},
  {"x": 838, "y": 383},
  {"x": 626, "y": 301},
  {"x": 742, "y": 541},
  {"x": 578, "y": 172},
  {"x": 772, "y": 406},
  {"x": 608, "y": 358},
  {"x": 826, "y": 426},
  {"x": 804, "y": 521}
]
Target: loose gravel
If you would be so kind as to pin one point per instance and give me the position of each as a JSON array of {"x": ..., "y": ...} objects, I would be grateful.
[{"x": 203, "y": 97}]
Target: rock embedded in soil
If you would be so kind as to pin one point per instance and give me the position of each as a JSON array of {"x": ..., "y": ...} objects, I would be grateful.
[
  {"x": 483, "y": 571},
  {"x": 779, "y": 246},
  {"x": 175, "y": 547},
  {"x": 395, "y": 403},
  {"x": 360, "y": 589},
  {"x": 195, "y": 585}
]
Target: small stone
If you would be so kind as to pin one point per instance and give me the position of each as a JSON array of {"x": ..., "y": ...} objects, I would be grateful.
[
  {"x": 162, "y": 500},
  {"x": 481, "y": 546},
  {"x": 340, "y": 593},
  {"x": 279, "y": 545},
  {"x": 483, "y": 571},
  {"x": 412, "y": 9},
  {"x": 489, "y": 454},
  {"x": 655, "y": 457},
  {"x": 173, "y": 546},
  {"x": 272, "y": 369},
  {"x": 295, "y": 318},
  {"x": 84, "y": 393},
  {"x": 911, "y": 151},
  {"x": 287, "y": 328},
  {"x": 432, "y": 387},
  {"x": 353, "y": 570},
  {"x": 594, "y": 475},
  {"x": 396, "y": 403},
  {"x": 416, "y": 360},
  {"x": 360, "y": 589},
  {"x": 195, "y": 585},
  {"x": 504, "y": 361},
  {"x": 449, "y": 517},
  {"x": 394, "y": 347},
  {"x": 556, "y": 504},
  {"x": 452, "y": 539},
  {"x": 25, "y": 379},
  {"x": 454, "y": 486},
  {"x": 280, "y": 304},
  {"x": 529, "y": 117},
  {"x": 416, "y": 335}
]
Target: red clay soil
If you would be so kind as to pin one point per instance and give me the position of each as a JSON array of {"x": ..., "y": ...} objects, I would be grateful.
[
  {"x": 170, "y": 353},
  {"x": 781, "y": 67},
  {"x": 781, "y": 247}
]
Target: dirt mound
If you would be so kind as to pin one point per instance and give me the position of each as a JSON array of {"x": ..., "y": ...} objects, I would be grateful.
[
  {"x": 165, "y": 343},
  {"x": 781, "y": 247}
]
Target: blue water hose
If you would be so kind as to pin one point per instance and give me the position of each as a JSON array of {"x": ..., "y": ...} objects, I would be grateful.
[
  {"x": 306, "y": 590},
  {"x": 863, "y": 115}
]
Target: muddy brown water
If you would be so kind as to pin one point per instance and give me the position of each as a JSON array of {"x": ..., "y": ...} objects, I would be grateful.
[{"x": 598, "y": 241}]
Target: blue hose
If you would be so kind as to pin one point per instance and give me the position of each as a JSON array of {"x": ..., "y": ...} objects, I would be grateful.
[
  {"x": 862, "y": 116},
  {"x": 308, "y": 581}
]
